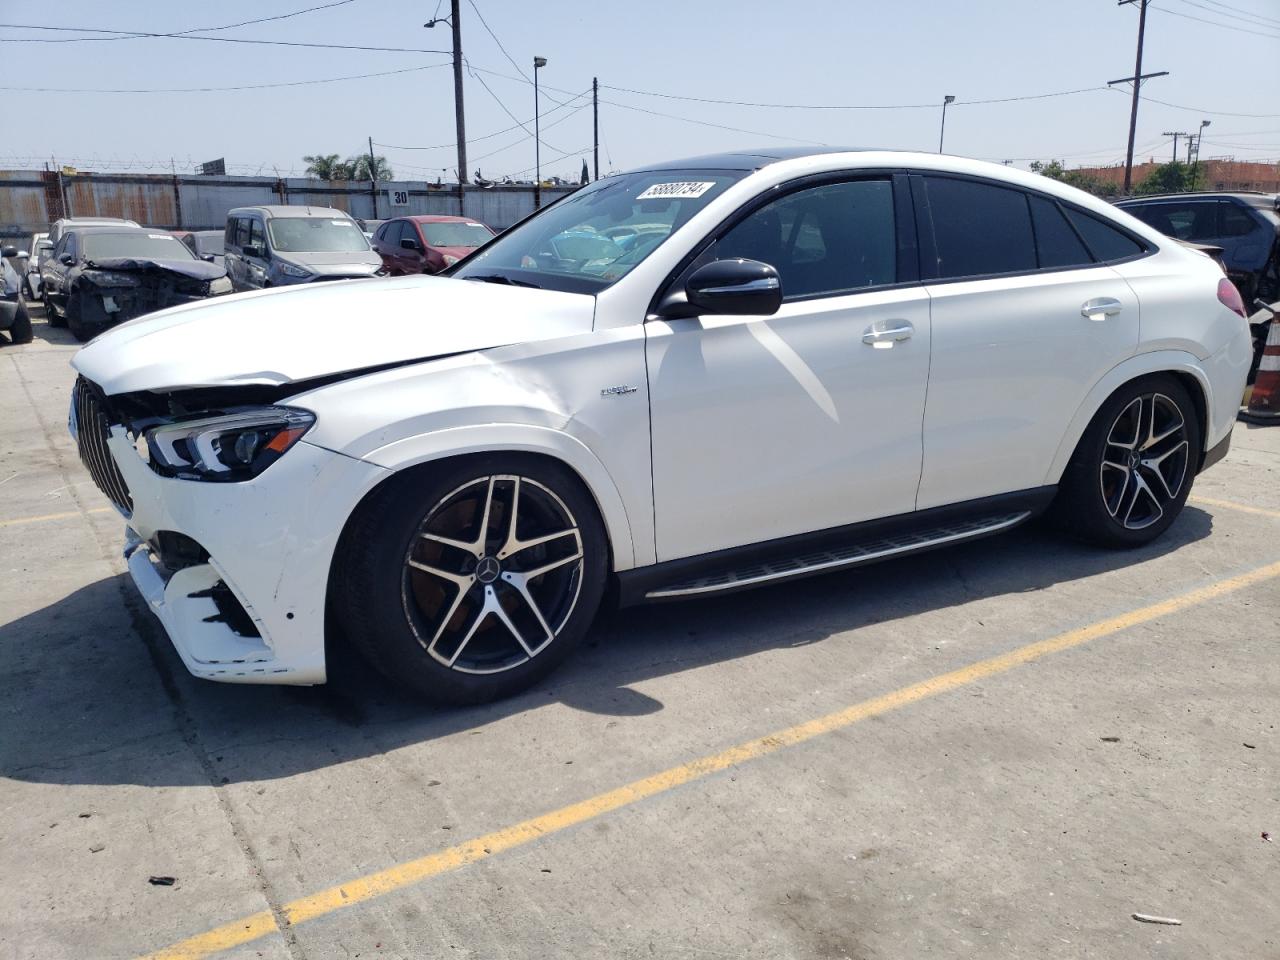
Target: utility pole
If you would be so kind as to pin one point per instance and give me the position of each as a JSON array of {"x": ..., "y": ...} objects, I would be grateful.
[
  {"x": 373, "y": 179},
  {"x": 459, "y": 120},
  {"x": 1136, "y": 80},
  {"x": 1176, "y": 134},
  {"x": 455, "y": 22},
  {"x": 595, "y": 124}
]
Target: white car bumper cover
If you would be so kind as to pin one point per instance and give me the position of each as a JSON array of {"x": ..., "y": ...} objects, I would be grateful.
[{"x": 270, "y": 544}]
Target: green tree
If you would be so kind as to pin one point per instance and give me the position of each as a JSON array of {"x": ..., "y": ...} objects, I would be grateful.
[
  {"x": 357, "y": 168},
  {"x": 325, "y": 166},
  {"x": 1172, "y": 177},
  {"x": 1096, "y": 185}
]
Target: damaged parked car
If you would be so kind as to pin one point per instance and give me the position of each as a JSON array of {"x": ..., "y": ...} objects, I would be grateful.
[{"x": 100, "y": 276}]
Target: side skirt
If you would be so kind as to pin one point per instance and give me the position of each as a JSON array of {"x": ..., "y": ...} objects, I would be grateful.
[{"x": 810, "y": 554}]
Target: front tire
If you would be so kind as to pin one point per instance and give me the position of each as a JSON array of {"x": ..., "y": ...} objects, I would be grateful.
[
  {"x": 1132, "y": 471},
  {"x": 471, "y": 580},
  {"x": 51, "y": 313}
]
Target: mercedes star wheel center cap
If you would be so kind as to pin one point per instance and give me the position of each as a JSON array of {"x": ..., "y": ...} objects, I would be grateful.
[{"x": 487, "y": 570}]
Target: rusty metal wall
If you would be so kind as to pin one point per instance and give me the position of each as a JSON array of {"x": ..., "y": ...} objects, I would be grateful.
[{"x": 29, "y": 199}]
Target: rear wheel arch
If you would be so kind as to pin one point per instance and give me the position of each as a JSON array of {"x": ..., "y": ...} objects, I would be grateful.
[{"x": 1179, "y": 364}]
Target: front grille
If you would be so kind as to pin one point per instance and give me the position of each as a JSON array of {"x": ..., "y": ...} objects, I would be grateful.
[{"x": 92, "y": 430}]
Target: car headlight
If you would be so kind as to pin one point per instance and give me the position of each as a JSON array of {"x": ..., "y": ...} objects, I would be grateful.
[
  {"x": 289, "y": 270},
  {"x": 450, "y": 261},
  {"x": 229, "y": 448},
  {"x": 104, "y": 278},
  {"x": 219, "y": 286}
]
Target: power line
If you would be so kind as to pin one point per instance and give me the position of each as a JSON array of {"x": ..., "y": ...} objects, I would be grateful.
[
  {"x": 1212, "y": 113},
  {"x": 179, "y": 36},
  {"x": 251, "y": 86},
  {"x": 489, "y": 30},
  {"x": 489, "y": 90},
  {"x": 1249, "y": 13},
  {"x": 864, "y": 106},
  {"x": 1217, "y": 23},
  {"x": 523, "y": 139},
  {"x": 488, "y": 136},
  {"x": 1250, "y": 21},
  {"x": 179, "y": 33},
  {"x": 718, "y": 126}
]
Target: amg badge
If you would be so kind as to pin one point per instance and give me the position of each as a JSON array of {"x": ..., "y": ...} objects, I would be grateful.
[{"x": 616, "y": 391}]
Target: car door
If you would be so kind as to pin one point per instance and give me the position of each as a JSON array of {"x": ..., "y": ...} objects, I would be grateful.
[
  {"x": 258, "y": 257},
  {"x": 55, "y": 277},
  {"x": 1026, "y": 316},
  {"x": 769, "y": 426}
]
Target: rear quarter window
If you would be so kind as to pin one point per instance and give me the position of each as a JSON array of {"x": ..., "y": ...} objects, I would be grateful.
[{"x": 1105, "y": 241}]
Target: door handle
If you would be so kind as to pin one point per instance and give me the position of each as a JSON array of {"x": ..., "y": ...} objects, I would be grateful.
[
  {"x": 885, "y": 333},
  {"x": 1099, "y": 308}
]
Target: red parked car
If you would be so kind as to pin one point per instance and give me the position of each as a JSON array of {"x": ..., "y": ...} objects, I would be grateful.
[{"x": 427, "y": 244}]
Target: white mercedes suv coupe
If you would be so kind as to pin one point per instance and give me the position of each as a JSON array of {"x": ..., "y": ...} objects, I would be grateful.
[{"x": 691, "y": 378}]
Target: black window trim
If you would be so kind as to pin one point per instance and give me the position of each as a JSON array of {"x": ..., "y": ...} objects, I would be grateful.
[
  {"x": 928, "y": 247},
  {"x": 905, "y": 232}
]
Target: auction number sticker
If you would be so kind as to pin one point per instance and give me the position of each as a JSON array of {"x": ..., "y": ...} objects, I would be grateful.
[{"x": 676, "y": 191}]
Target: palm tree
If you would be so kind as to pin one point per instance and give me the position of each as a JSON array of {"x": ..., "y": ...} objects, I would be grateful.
[
  {"x": 325, "y": 166},
  {"x": 358, "y": 168}
]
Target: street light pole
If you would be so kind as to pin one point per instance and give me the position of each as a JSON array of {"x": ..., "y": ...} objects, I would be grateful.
[
  {"x": 1195, "y": 166},
  {"x": 538, "y": 64},
  {"x": 941, "y": 133}
]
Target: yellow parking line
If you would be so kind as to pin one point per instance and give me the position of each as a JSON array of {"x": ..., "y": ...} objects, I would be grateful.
[
  {"x": 53, "y": 516},
  {"x": 452, "y": 858},
  {"x": 1241, "y": 507}
]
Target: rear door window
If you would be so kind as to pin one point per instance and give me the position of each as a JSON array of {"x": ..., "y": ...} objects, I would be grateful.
[
  {"x": 255, "y": 233},
  {"x": 1105, "y": 242},
  {"x": 1234, "y": 221},
  {"x": 979, "y": 229},
  {"x": 1057, "y": 244}
]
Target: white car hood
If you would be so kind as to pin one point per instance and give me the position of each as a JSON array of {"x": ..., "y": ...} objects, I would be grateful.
[{"x": 298, "y": 333}]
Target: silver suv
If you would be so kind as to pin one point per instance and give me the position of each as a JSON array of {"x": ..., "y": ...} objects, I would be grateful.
[{"x": 272, "y": 246}]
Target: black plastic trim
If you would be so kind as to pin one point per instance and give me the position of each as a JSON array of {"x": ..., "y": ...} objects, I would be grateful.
[
  {"x": 1215, "y": 453},
  {"x": 635, "y": 584}
]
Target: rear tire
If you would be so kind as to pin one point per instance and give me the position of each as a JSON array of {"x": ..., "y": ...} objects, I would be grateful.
[
  {"x": 457, "y": 615},
  {"x": 20, "y": 330},
  {"x": 1132, "y": 471},
  {"x": 51, "y": 314}
]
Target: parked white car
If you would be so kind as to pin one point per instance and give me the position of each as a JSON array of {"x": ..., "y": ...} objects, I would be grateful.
[{"x": 823, "y": 359}]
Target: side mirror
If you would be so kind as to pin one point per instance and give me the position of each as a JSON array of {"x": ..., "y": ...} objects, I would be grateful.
[
  {"x": 409, "y": 243},
  {"x": 251, "y": 251},
  {"x": 207, "y": 257},
  {"x": 8, "y": 250},
  {"x": 43, "y": 245},
  {"x": 67, "y": 260},
  {"x": 735, "y": 288}
]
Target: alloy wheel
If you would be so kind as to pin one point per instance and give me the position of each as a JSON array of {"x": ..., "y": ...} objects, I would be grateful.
[
  {"x": 1144, "y": 462},
  {"x": 493, "y": 574}
]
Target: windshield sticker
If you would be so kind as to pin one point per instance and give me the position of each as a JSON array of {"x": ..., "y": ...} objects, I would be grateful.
[
  {"x": 676, "y": 191},
  {"x": 341, "y": 223},
  {"x": 160, "y": 236}
]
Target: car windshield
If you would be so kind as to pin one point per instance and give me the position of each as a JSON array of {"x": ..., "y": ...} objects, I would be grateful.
[
  {"x": 316, "y": 235},
  {"x": 212, "y": 241},
  {"x": 591, "y": 238},
  {"x": 456, "y": 234},
  {"x": 156, "y": 246}
]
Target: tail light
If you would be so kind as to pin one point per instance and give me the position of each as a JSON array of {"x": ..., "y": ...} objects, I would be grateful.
[{"x": 1229, "y": 297}]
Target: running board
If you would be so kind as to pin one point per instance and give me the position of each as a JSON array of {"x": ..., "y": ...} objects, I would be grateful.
[{"x": 839, "y": 558}]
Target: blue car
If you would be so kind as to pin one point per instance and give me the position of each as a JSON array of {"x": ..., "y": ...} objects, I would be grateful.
[{"x": 1245, "y": 225}]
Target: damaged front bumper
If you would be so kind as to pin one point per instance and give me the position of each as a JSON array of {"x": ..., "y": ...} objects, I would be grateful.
[
  {"x": 236, "y": 572},
  {"x": 114, "y": 296}
]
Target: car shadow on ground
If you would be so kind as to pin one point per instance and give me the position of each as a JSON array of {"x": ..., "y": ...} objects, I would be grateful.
[
  {"x": 41, "y": 330},
  {"x": 81, "y": 705}
]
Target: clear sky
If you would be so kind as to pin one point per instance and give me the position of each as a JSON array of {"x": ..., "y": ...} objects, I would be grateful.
[{"x": 1223, "y": 58}]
